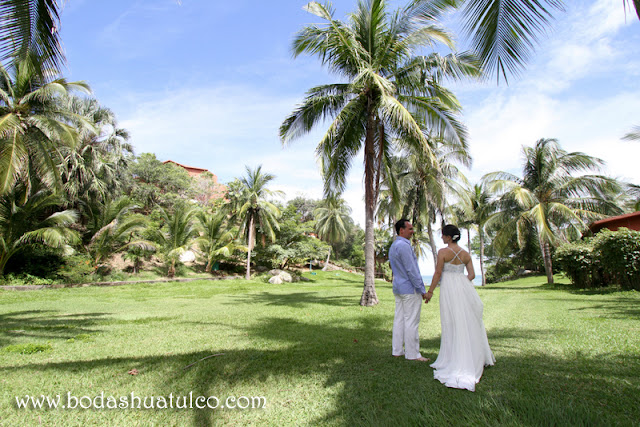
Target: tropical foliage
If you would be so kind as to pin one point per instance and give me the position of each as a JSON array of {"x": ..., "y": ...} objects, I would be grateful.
[
  {"x": 34, "y": 125},
  {"x": 36, "y": 221}
]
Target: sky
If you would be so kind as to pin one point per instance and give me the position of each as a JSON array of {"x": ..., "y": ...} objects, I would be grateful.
[{"x": 208, "y": 83}]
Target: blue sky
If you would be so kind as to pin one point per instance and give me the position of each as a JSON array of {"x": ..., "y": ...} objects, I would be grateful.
[{"x": 207, "y": 84}]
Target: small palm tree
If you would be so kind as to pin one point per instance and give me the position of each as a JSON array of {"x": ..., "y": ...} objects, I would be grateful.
[
  {"x": 177, "y": 235},
  {"x": 331, "y": 220},
  {"x": 549, "y": 199},
  {"x": 478, "y": 208},
  {"x": 36, "y": 221},
  {"x": 255, "y": 210},
  {"x": 113, "y": 229},
  {"x": 216, "y": 240}
]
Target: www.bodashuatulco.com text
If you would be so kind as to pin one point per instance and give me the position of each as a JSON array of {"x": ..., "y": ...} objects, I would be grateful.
[{"x": 133, "y": 401}]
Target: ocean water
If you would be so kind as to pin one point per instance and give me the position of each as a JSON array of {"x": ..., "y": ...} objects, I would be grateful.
[{"x": 427, "y": 280}]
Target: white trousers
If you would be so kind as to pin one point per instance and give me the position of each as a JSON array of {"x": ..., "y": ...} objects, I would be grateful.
[{"x": 405, "y": 326}]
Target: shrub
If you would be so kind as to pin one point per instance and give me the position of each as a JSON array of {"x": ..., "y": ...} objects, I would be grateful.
[
  {"x": 576, "y": 260},
  {"x": 619, "y": 255},
  {"x": 76, "y": 269},
  {"x": 36, "y": 260},
  {"x": 24, "y": 279},
  {"x": 610, "y": 258}
]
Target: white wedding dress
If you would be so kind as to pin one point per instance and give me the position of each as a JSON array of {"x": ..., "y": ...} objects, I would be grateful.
[{"x": 464, "y": 348}]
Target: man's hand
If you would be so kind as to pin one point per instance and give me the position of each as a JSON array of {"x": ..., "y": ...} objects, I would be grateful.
[{"x": 427, "y": 297}]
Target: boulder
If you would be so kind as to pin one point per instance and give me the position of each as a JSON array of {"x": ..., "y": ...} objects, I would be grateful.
[
  {"x": 276, "y": 280},
  {"x": 275, "y": 272},
  {"x": 188, "y": 256},
  {"x": 286, "y": 277}
]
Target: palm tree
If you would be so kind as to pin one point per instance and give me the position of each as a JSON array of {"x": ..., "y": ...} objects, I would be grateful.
[
  {"x": 549, "y": 199},
  {"x": 504, "y": 33},
  {"x": 96, "y": 167},
  {"x": 391, "y": 96},
  {"x": 177, "y": 234},
  {"x": 478, "y": 208},
  {"x": 216, "y": 239},
  {"x": 331, "y": 222},
  {"x": 35, "y": 221},
  {"x": 34, "y": 123},
  {"x": 255, "y": 210},
  {"x": 113, "y": 229},
  {"x": 31, "y": 27}
]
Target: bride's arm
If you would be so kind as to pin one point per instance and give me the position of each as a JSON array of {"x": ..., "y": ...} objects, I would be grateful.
[
  {"x": 471, "y": 274},
  {"x": 436, "y": 276}
]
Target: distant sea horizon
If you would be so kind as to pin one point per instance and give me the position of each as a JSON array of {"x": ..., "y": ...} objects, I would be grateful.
[{"x": 427, "y": 279}]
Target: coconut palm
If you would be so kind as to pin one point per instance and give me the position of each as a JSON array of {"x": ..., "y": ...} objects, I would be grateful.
[
  {"x": 36, "y": 221},
  {"x": 113, "y": 228},
  {"x": 390, "y": 97},
  {"x": 477, "y": 208},
  {"x": 255, "y": 210},
  {"x": 216, "y": 239},
  {"x": 177, "y": 235},
  {"x": 549, "y": 199},
  {"x": 331, "y": 222},
  {"x": 31, "y": 27},
  {"x": 34, "y": 123}
]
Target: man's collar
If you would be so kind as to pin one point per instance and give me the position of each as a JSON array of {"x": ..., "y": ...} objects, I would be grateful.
[{"x": 405, "y": 239}]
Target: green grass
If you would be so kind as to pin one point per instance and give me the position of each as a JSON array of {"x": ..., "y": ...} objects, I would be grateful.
[{"x": 564, "y": 357}]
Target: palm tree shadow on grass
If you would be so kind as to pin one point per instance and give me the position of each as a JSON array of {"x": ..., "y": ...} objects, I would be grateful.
[
  {"x": 293, "y": 300},
  {"x": 47, "y": 324},
  {"x": 371, "y": 387}
]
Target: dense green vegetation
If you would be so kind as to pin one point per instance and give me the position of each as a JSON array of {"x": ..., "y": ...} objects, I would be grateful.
[
  {"x": 76, "y": 204},
  {"x": 564, "y": 356}
]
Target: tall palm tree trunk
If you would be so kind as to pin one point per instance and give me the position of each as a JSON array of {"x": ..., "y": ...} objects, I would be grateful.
[
  {"x": 326, "y": 264},
  {"x": 369, "y": 296},
  {"x": 432, "y": 243},
  {"x": 546, "y": 256},
  {"x": 481, "y": 236},
  {"x": 249, "y": 247}
]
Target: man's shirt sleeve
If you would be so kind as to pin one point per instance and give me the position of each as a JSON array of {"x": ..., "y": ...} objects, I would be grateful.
[{"x": 410, "y": 263}]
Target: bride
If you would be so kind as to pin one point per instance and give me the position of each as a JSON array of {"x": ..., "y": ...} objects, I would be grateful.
[{"x": 464, "y": 348}]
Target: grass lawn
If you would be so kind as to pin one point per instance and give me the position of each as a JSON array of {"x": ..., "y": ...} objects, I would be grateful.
[{"x": 564, "y": 357}]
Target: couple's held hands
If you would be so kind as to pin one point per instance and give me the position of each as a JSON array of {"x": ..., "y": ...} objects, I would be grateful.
[{"x": 427, "y": 297}]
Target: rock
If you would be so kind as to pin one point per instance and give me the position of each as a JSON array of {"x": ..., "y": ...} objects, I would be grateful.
[
  {"x": 275, "y": 272},
  {"x": 188, "y": 256},
  {"x": 276, "y": 280},
  {"x": 286, "y": 277}
]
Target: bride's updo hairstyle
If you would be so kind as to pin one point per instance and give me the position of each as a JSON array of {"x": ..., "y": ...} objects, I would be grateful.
[{"x": 451, "y": 231}]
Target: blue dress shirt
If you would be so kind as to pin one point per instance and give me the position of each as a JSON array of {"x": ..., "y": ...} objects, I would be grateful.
[{"x": 404, "y": 264}]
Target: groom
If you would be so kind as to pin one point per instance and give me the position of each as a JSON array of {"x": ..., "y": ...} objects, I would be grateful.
[{"x": 409, "y": 292}]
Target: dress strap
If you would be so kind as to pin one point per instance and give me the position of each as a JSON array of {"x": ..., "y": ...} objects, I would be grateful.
[{"x": 456, "y": 255}]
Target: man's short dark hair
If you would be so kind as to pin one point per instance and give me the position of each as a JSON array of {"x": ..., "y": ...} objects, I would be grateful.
[{"x": 401, "y": 224}]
